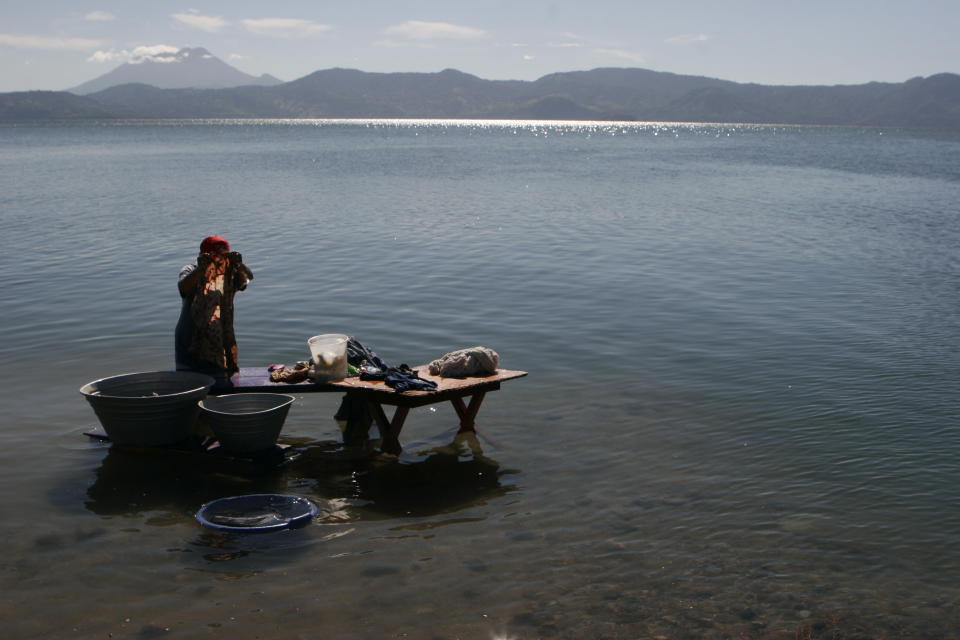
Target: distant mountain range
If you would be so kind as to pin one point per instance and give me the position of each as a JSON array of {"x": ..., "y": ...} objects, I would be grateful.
[
  {"x": 187, "y": 68},
  {"x": 599, "y": 94}
]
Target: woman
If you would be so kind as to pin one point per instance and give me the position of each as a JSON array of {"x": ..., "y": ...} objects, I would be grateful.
[{"x": 205, "y": 341}]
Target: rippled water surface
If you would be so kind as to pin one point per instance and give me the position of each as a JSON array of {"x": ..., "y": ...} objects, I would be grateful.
[{"x": 740, "y": 419}]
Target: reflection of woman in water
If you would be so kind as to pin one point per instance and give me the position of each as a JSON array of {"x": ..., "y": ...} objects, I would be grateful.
[{"x": 205, "y": 340}]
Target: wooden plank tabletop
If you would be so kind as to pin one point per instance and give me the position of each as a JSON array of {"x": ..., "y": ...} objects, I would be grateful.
[
  {"x": 447, "y": 388},
  {"x": 257, "y": 380}
]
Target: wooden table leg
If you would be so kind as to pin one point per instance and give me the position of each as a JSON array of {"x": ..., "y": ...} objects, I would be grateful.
[
  {"x": 468, "y": 414},
  {"x": 389, "y": 429}
]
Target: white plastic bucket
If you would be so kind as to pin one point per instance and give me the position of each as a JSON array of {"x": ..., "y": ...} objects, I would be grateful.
[{"x": 329, "y": 353}]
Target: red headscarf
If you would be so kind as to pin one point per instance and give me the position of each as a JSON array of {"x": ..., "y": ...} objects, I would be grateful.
[{"x": 210, "y": 244}]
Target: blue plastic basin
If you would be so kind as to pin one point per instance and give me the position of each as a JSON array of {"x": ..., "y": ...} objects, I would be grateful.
[{"x": 257, "y": 512}]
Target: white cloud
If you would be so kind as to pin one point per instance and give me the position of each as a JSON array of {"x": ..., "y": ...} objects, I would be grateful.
[
  {"x": 418, "y": 30},
  {"x": 529, "y": 57},
  {"x": 688, "y": 39},
  {"x": 44, "y": 42},
  {"x": 285, "y": 27},
  {"x": 100, "y": 16},
  {"x": 195, "y": 20},
  {"x": 564, "y": 45},
  {"x": 152, "y": 53},
  {"x": 101, "y": 56},
  {"x": 621, "y": 54}
]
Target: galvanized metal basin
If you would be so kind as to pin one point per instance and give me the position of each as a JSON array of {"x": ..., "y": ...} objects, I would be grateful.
[
  {"x": 148, "y": 409},
  {"x": 246, "y": 422}
]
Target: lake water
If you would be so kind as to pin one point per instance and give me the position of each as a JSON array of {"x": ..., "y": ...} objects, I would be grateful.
[{"x": 740, "y": 419}]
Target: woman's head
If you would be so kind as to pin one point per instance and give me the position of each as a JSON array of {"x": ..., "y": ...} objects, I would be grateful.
[{"x": 214, "y": 244}]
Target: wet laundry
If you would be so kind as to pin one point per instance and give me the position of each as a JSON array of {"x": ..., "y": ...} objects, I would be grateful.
[
  {"x": 474, "y": 361},
  {"x": 211, "y": 310},
  {"x": 297, "y": 373},
  {"x": 359, "y": 355},
  {"x": 371, "y": 367},
  {"x": 403, "y": 378}
]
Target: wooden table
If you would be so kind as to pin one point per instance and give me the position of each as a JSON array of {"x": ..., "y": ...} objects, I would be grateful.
[{"x": 377, "y": 394}]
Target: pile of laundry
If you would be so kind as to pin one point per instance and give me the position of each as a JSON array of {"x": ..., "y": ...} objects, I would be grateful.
[
  {"x": 371, "y": 367},
  {"x": 474, "y": 361},
  {"x": 290, "y": 374},
  {"x": 367, "y": 365}
]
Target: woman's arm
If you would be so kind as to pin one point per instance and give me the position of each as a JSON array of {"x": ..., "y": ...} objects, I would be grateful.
[
  {"x": 243, "y": 273},
  {"x": 189, "y": 283}
]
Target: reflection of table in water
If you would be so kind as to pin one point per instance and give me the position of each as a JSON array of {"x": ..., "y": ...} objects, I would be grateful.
[{"x": 377, "y": 394}]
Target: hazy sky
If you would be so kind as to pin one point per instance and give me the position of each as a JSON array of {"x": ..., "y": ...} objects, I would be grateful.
[{"x": 57, "y": 44}]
